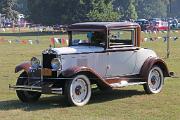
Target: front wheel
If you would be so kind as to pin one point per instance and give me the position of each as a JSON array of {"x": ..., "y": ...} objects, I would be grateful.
[
  {"x": 78, "y": 90},
  {"x": 155, "y": 80},
  {"x": 26, "y": 96}
]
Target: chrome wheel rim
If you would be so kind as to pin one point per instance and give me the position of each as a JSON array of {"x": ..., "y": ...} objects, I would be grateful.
[
  {"x": 80, "y": 90},
  {"x": 155, "y": 79}
]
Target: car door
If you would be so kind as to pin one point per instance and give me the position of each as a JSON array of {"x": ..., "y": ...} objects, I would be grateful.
[
  {"x": 122, "y": 53},
  {"x": 121, "y": 63}
]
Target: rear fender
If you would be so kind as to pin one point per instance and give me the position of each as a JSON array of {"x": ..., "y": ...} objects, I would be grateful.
[
  {"x": 150, "y": 62},
  {"x": 23, "y": 66}
]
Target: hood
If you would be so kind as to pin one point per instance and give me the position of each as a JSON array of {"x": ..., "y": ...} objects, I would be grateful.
[{"x": 77, "y": 49}]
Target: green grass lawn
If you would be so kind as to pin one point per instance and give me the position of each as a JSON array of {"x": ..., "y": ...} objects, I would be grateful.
[{"x": 130, "y": 103}]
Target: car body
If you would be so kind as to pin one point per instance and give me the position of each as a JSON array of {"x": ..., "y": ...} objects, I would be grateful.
[
  {"x": 178, "y": 26},
  {"x": 173, "y": 23},
  {"x": 61, "y": 28},
  {"x": 107, "y": 54},
  {"x": 143, "y": 23},
  {"x": 20, "y": 16},
  {"x": 158, "y": 25},
  {"x": 155, "y": 19}
]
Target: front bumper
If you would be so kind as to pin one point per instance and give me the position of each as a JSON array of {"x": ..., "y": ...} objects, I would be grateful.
[
  {"x": 43, "y": 89},
  {"x": 41, "y": 80}
]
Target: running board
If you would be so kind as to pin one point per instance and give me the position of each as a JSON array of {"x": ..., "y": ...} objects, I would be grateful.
[
  {"x": 125, "y": 83},
  {"x": 44, "y": 90}
]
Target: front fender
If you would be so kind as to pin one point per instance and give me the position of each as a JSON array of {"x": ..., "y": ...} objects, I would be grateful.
[
  {"x": 74, "y": 70},
  {"x": 23, "y": 66},
  {"x": 93, "y": 76},
  {"x": 150, "y": 62}
]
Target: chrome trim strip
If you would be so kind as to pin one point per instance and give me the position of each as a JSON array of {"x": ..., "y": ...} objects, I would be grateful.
[
  {"x": 126, "y": 84},
  {"x": 35, "y": 89}
]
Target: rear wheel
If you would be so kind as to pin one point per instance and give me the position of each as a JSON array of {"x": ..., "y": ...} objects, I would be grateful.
[
  {"x": 78, "y": 90},
  {"x": 155, "y": 80},
  {"x": 26, "y": 96}
]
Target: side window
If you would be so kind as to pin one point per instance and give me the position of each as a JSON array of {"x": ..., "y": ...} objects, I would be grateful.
[{"x": 121, "y": 38}]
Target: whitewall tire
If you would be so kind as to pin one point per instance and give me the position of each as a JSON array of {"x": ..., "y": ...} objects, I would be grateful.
[
  {"x": 155, "y": 80},
  {"x": 78, "y": 90}
]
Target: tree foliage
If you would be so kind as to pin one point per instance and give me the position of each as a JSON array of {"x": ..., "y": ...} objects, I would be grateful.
[
  {"x": 56, "y": 11},
  {"x": 7, "y": 8},
  {"x": 131, "y": 11},
  {"x": 103, "y": 11},
  {"x": 71, "y": 11},
  {"x": 152, "y": 8}
]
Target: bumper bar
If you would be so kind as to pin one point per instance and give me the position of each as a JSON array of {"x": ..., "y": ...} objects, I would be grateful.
[{"x": 44, "y": 90}]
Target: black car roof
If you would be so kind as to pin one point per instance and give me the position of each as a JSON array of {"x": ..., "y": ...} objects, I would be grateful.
[{"x": 100, "y": 25}]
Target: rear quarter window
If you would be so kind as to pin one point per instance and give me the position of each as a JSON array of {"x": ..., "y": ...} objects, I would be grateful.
[{"x": 120, "y": 38}]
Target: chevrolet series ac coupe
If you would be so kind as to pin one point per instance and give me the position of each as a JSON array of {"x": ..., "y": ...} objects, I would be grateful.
[{"x": 107, "y": 54}]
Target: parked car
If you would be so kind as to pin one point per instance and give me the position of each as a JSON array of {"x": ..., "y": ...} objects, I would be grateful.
[
  {"x": 178, "y": 26},
  {"x": 62, "y": 28},
  {"x": 20, "y": 16},
  {"x": 143, "y": 23},
  {"x": 8, "y": 24},
  {"x": 155, "y": 19},
  {"x": 173, "y": 23},
  {"x": 107, "y": 54},
  {"x": 158, "y": 26}
]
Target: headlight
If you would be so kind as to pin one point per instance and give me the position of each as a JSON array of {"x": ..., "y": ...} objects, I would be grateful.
[
  {"x": 35, "y": 63},
  {"x": 56, "y": 64}
]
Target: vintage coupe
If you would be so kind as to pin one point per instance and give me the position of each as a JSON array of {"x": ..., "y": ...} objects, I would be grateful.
[{"x": 107, "y": 54}]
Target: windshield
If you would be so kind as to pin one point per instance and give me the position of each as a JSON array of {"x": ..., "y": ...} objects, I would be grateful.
[{"x": 90, "y": 38}]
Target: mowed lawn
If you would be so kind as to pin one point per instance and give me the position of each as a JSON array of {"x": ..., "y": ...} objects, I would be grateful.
[{"x": 130, "y": 103}]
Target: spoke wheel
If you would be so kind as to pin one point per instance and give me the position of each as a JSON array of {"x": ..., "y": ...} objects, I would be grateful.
[
  {"x": 78, "y": 90},
  {"x": 155, "y": 80}
]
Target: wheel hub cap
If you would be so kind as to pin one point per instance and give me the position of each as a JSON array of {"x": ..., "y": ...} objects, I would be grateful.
[
  {"x": 154, "y": 80},
  {"x": 78, "y": 90}
]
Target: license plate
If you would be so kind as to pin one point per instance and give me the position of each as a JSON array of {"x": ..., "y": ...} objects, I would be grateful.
[{"x": 46, "y": 72}]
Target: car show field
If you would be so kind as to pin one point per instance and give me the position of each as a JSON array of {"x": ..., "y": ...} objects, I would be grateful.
[{"x": 120, "y": 104}]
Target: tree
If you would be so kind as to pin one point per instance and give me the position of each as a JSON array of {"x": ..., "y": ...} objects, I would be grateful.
[
  {"x": 174, "y": 8},
  {"x": 71, "y": 11},
  {"x": 152, "y": 8},
  {"x": 21, "y": 6},
  {"x": 131, "y": 11},
  {"x": 127, "y": 8},
  {"x": 59, "y": 12},
  {"x": 145, "y": 8},
  {"x": 103, "y": 11},
  {"x": 7, "y": 8}
]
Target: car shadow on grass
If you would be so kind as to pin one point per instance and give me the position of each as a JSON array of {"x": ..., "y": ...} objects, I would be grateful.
[{"x": 50, "y": 102}]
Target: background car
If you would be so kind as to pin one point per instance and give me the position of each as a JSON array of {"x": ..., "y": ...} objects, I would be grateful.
[
  {"x": 158, "y": 25},
  {"x": 173, "y": 23},
  {"x": 62, "y": 28},
  {"x": 143, "y": 23}
]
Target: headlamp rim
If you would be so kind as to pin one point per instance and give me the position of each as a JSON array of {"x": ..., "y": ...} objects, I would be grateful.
[
  {"x": 35, "y": 62},
  {"x": 59, "y": 62}
]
